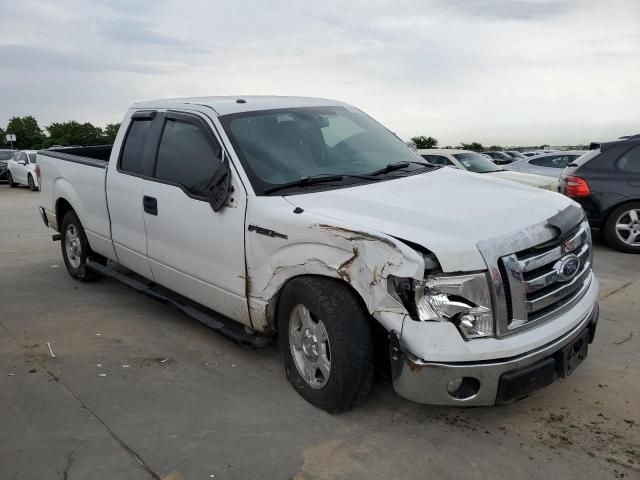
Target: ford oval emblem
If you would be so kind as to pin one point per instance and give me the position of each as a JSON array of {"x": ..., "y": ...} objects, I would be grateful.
[{"x": 567, "y": 267}]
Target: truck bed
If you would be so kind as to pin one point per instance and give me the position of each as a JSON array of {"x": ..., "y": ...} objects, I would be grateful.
[
  {"x": 78, "y": 176},
  {"x": 97, "y": 156}
]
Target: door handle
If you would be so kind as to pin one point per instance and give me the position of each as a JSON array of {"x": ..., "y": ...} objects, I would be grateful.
[{"x": 150, "y": 205}]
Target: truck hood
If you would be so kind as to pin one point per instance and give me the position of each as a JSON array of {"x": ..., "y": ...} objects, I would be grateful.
[
  {"x": 446, "y": 211},
  {"x": 530, "y": 179}
]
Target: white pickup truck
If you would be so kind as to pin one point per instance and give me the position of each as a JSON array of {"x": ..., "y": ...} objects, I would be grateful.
[{"x": 306, "y": 219}]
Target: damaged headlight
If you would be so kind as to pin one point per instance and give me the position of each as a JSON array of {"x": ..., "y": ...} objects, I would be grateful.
[{"x": 461, "y": 299}]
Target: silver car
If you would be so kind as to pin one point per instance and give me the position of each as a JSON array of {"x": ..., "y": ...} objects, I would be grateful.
[
  {"x": 478, "y": 163},
  {"x": 547, "y": 164}
]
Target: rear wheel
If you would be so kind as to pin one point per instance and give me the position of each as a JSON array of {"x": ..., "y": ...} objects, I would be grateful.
[
  {"x": 75, "y": 248},
  {"x": 32, "y": 184},
  {"x": 326, "y": 343},
  {"x": 12, "y": 184},
  {"x": 622, "y": 228}
]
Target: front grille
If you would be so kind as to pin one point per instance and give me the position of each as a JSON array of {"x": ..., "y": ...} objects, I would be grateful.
[{"x": 540, "y": 282}]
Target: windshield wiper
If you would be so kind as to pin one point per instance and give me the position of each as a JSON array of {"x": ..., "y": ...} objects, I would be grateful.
[
  {"x": 305, "y": 181},
  {"x": 301, "y": 182},
  {"x": 397, "y": 166}
]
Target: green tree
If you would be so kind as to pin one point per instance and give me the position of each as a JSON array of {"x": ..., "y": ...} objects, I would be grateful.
[
  {"x": 110, "y": 132},
  {"x": 2, "y": 137},
  {"x": 496, "y": 147},
  {"x": 74, "y": 133},
  {"x": 27, "y": 131},
  {"x": 473, "y": 146},
  {"x": 425, "y": 142}
]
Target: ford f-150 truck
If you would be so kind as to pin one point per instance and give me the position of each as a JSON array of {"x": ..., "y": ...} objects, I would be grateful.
[{"x": 306, "y": 219}]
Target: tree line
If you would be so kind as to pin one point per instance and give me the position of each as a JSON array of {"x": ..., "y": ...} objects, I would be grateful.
[
  {"x": 30, "y": 136},
  {"x": 423, "y": 141}
]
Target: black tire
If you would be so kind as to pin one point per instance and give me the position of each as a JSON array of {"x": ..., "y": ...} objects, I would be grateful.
[
  {"x": 12, "y": 184},
  {"x": 351, "y": 347},
  {"x": 32, "y": 184},
  {"x": 76, "y": 266},
  {"x": 610, "y": 233}
]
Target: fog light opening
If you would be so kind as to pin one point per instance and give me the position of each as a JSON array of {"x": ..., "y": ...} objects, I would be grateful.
[{"x": 463, "y": 388}]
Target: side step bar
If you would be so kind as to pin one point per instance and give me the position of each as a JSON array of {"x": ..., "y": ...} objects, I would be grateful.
[{"x": 226, "y": 326}]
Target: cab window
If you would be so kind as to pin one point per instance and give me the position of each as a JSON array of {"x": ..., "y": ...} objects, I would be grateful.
[
  {"x": 187, "y": 156},
  {"x": 131, "y": 158}
]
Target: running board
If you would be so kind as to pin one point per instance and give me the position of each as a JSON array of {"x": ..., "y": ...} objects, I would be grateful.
[{"x": 226, "y": 326}]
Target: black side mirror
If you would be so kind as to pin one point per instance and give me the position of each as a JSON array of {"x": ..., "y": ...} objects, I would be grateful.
[{"x": 220, "y": 185}]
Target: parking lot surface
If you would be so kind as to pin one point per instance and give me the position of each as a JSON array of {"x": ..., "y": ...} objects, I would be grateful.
[{"x": 137, "y": 390}]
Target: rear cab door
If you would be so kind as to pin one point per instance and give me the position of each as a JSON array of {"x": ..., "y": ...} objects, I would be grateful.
[
  {"x": 127, "y": 169},
  {"x": 17, "y": 166},
  {"x": 192, "y": 249}
]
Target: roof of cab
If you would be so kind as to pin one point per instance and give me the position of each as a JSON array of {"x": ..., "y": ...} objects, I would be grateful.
[{"x": 240, "y": 103}]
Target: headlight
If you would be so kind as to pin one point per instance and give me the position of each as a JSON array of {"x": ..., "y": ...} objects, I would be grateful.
[{"x": 461, "y": 299}]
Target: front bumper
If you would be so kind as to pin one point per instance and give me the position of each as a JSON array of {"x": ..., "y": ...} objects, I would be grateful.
[{"x": 500, "y": 381}]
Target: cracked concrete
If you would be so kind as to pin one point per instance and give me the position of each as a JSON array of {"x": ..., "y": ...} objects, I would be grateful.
[{"x": 139, "y": 391}]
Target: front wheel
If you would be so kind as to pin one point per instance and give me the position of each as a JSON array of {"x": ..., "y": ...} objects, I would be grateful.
[
  {"x": 12, "y": 184},
  {"x": 32, "y": 184},
  {"x": 75, "y": 248},
  {"x": 326, "y": 343},
  {"x": 622, "y": 229}
]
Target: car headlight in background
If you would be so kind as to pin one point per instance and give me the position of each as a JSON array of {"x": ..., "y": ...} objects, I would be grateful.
[{"x": 464, "y": 300}]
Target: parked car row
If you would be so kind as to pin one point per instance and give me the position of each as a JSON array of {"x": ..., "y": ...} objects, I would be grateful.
[
  {"x": 605, "y": 181},
  {"x": 476, "y": 162},
  {"x": 18, "y": 167}
]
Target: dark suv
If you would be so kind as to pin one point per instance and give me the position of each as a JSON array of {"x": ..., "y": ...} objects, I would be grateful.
[{"x": 606, "y": 182}]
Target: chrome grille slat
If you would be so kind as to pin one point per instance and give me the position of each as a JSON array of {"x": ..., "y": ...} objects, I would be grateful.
[
  {"x": 534, "y": 284},
  {"x": 537, "y": 261},
  {"x": 549, "y": 278},
  {"x": 558, "y": 294}
]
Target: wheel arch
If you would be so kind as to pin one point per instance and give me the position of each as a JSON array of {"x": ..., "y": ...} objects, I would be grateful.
[
  {"x": 610, "y": 209},
  {"x": 274, "y": 301}
]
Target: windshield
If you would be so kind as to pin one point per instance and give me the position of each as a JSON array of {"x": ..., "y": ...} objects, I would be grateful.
[
  {"x": 517, "y": 155},
  {"x": 6, "y": 154},
  {"x": 285, "y": 145},
  {"x": 474, "y": 162}
]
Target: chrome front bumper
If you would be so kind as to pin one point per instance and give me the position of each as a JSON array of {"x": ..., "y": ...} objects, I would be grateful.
[{"x": 428, "y": 382}]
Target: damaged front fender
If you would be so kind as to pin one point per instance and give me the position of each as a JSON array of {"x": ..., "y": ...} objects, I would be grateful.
[{"x": 363, "y": 259}]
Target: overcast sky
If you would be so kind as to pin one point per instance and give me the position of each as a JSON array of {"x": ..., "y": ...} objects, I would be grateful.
[{"x": 494, "y": 71}]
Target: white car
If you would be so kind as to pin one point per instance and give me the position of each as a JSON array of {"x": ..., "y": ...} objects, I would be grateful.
[
  {"x": 478, "y": 163},
  {"x": 546, "y": 164},
  {"x": 22, "y": 170},
  {"x": 306, "y": 220}
]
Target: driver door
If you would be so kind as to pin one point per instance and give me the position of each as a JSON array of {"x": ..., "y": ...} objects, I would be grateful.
[
  {"x": 193, "y": 250},
  {"x": 19, "y": 169}
]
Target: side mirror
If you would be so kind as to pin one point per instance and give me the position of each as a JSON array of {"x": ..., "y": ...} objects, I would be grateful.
[
  {"x": 22, "y": 162},
  {"x": 220, "y": 185}
]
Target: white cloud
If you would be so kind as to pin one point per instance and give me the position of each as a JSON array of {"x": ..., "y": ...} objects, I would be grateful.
[{"x": 499, "y": 71}]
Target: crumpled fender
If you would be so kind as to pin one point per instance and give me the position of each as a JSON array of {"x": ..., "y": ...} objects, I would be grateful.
[{"x": 315, "y": 245}]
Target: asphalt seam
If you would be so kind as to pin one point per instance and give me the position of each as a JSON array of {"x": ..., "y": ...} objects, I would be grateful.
[
  {"x": 616, "y": 290},
  {"x": 108, "y": 429}
]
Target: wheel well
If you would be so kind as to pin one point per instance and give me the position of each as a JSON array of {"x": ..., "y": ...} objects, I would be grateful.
[
  {"x": 62, "y": 207},
  {"x": 614, "y": 207},
  {"x": 272, "y": 307},
  {"x": 379, "y": 334}
]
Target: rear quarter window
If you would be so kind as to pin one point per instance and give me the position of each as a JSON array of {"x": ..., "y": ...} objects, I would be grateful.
[
  {"x": 629, "y": 161},
  {"x": 131, "y": 157}
]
